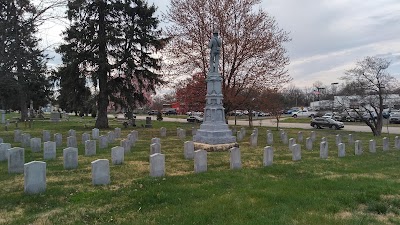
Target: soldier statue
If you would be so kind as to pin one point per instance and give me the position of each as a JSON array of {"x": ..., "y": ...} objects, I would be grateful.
[{"x": 215, "y": 46}]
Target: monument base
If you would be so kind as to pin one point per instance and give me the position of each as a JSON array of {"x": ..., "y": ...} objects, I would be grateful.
[
  {"x": 215, "y": 148},
  {"x": 214, "y": 134}
]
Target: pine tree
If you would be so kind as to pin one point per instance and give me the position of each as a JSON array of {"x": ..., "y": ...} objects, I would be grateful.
[
  {"x": 22, "y": 62},
  {"x": 112, "y": 43}
]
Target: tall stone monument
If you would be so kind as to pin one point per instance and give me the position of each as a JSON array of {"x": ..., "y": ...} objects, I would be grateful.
[{"x": 214, "y": 129}]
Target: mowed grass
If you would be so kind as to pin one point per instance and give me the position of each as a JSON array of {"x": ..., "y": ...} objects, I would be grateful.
[{"x": 351, "y": 190}]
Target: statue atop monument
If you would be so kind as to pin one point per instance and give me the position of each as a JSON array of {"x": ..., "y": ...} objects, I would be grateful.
[{"x": 215, "y": 46}]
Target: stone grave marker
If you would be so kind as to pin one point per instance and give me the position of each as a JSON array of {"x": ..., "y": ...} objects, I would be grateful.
[
  {"x": 4, "y": 147},
  {"x": 72, "y": 132},
  {"x": 358, "y": 148},
  {"x": 71, "y": 142},
  {"x": 155, "y": 148},
  {"x": 117, "y": 132},
  {"x": 17, "y": 136},
  {"x": 350, "y": 138},
  {"x": 55, "y": 116},
  {"x": 296, "y": 152},
  {"x": 397, "y": 143},
  {"x": 95, "y": 133},
  {"x": 34, "y": 177},
  {"x": 188, "y": 150},
  {"x": 148, "y": 122},
  {"x": 156, "y": 140},
  {"x": 372, "y": 146},
  {"x": 126, "y": 145},
  {"x": 235, "y": 162},
  {"x": 36, "y": 144},
  {"x": 323, "y": 150},
  {"x": 268, "y": 156},
  {"x": 309, "y": 143},
  {"x": 49, "y": 150},
  {"x": 46, "y": 135},
  {"x": 163, "y": 132},
  {"x": 313, "y": 135},
  {"x": 117, "y": 155},
  {"x": 338, "y": 139},
  {"x": 239, "y": 136},
  {"x": 58, "y": 139},
  {"x": 103, "y": 142},
  {"x": 253, "y": 139},
  {"x": 157, "y": 165},
  {"x": 270, "y": 138},
  {"x": 341, "y": 150},
  {"x": 135, "y": 134},
  {"x": 90, "y": 147},
  {"x": 100, "y": 172},
  {"x": 324, "y": 139},
  {"x": 111, "y": 137},
  {"x": 292, "y": 141},
  {"x": 85, "y": 137},
  {"x": 284, "y": 137},
  {"x": 16, "y": 160},
  {"x": 300, "y": 136},
  {"x": 26, "y": 140},
  {"x": 70, "y": 156},
  {"x": 200, "y": 161},
  {"x": 385, "y": 144}
]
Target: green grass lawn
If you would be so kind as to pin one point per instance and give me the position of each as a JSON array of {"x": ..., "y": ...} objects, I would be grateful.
[{"x": 351, "y": 190}]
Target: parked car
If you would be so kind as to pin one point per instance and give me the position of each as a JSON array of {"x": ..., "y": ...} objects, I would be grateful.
[
  {"x": 320, "y": 122},
  {"x": 152, "y": 112},
  {"x": 394, "y": 118},
  {"x": 303, "y": 113},
  {"x": 170, "y": 112},
  {"x": 195, "y": 119}
]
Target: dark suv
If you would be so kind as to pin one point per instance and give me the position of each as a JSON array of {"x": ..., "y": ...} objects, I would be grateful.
[{"x": 320, "y": 122}]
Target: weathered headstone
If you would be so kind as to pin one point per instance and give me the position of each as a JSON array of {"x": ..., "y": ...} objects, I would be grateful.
[
  {"x": 338, "y": 139},
  {"x": 71, "y": 142},
  {"x": 117, "y": 155},
  {"x": 95, "y": 133},
  {"x": 34, "y": 177},
  {"x": 4, "y": 147},
  {"x": 103, "y": 142},
  {"x": 135, "y": 134},
  {"x": 163, "y": 132},
  {"x": 90, "y": 147},
  {"x": 117, "y": 132},
  {"x": 350, "y": 139},
  {"x": 397, "y": 142},
  {"x": 126, "y": 145},
  {"x": 200, "y": 161},
  {"x": 253, "y": 140},
  {"x": 235, "y": 162},
  {"x": 85, "y": 137},
  {"x": 324, "y": 139},
  {"x": 284, "y": 137},
  {"x": 300, "y": 136},
  {"x": 100, "y": 172},
  {"x": 323, "y": 150},
  {"x": 36, "y": 144},
  {"x": 385, "y": 144},
  {"x": 372, "y": 146},
  {"x": 58, "y": 139},
  {"x": 239, "y": 136},
  {"x": 268, "y": 156},
  {"x": 270, "y": 138},
  {"x": 111, "y": 137},
  {"x": 16, "y": 160},
  {"x": 255, "y": 131},
  {"x": 26, "y": 140},
  {"x": 46, "y": 135},
  {"x": 131, "y": 138},
  {"x": 182, "y": 133},
  {"x": 71, "y": 132},
  {"x": 309, "y": 144},
  {"x": 313, "y": 135},
  {"x": 292, "y": 141},
  {"x": 17, "y": 136},
  {"x": 155, "y": 148},
  {"x": 148, "y": 122},
  {"x": 358, "y": 148},
  {"x": 341, "y": 150},
  {"x": 243, "y": 131},
  {"x": 70, "y": 156},
  {"x": 188, "y": 150},
  {"x": 296, "y": 152},
  {"x": 157, "y": 165},
  {"x": 49, "y": 150},
  {"x": 156, "y": 140}
]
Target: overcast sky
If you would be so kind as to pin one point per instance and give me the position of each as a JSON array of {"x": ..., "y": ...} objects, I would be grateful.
[{"x": 328, "y": 36}]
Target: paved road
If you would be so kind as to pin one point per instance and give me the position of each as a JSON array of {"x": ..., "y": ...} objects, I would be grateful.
[{"x": 272, "y": 123}]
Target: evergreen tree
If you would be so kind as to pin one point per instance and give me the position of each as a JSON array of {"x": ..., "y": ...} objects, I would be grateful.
[
  {"x": 112, "y": 43},
  {"x": 22, "y": 63}
]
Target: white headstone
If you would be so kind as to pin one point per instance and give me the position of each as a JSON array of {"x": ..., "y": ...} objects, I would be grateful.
[
  {"x": 338, "y": 139},
  {"x": 103, "y": 142},
  {"x": 243, "y": 131},
  {"x": 341, "y": 150},
  {"x": 155, "y": 148},
  {"x": 16, "y": 160},
  {"x": 312, "y": 135},
  {"x": 117, "y": 132},
  {"x": 26, "y": 140},
  {"x": 189, "y": 150},
  {"x": 323, "y": 150},
  {"x": 300, "y": 136},
  {"x": 157, "y": 165},
  {"x": 90, "y": 147},
  {"x": 200, "y": 161},
  {"x": 350, "y": 139},
  {"x": 49, "y": 150},
  {"x": 270, "y": 138},
  {"x": 95, "y": 133},
  {"x": 156, "y": 140},
  {"x": 324, "y": 139},
  {"x": 111, "y": 137},
  {"x": 296, "y": 152},
  {"x": 36, "y": 144},
  {"x": 71, "y": 142},
  {"x": 309, "y": 143},
  {"x": 34, "y": 177},
  {"x": 4, "y": 147},
  {"x": 163, "y": 132},
  {"x": 85, "y": 137},
  {"x": 358, "y": 148},
  {"x": 253, "y": 139},
  {"x": 385, "y": 144},
  {"x": 70, "y": 156},
  {"x": 239, "y": 136},
  {"x": 135, "y": 134},
  {"x": 292, "y": 141},
  {"x": 17, "y": 136},
  {"x": 58, "y": 139},
  {"x": 72, "y": 132},
  {"x": 117, "y": 155},
  {"x": 126, "y": 145},
  {"x": 236, "y": 161},
  {"x": 100, "y": 172},
  {"x": 46, "y": 135},
  {"x": 372, "y": 146},
  {"x": 284, "y": 137},
  {"x": 397, "y": 142},
  {"x": 268, "y": 156}
]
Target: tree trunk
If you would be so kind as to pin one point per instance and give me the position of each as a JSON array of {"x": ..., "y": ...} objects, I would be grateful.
[
  {"x": 23, "y": 106},
  {"x": 102, "y": 101}
]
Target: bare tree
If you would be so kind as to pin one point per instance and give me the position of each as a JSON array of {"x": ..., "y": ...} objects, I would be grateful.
[
  {"x": 371, "y": 82},
  {"x": 252, "y": 49}
]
